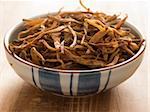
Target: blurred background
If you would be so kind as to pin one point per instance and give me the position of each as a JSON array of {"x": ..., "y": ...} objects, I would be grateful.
[{"x": 13, "y": 11}]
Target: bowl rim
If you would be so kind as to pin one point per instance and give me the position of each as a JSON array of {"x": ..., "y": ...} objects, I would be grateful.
[{"x": 12, "y": 29}]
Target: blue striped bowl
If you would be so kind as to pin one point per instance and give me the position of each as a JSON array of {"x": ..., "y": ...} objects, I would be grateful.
[{"x": 72, "y": 82}]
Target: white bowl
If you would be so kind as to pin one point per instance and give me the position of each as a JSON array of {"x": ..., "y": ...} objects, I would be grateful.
[{"x": 72, "y": 82}]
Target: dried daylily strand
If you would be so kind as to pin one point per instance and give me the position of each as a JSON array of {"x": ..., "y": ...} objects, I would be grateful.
[
  {"x": 55, "y": 60},
  {"x": 115, "y": 60},
  {"x": 83, "y": 37},
  {"x": 96, "y": 23},
  {"x": 141, "y": 42},
  {"x": 128, "y": 51},
  {"x": 30, "y": 36},
  {"x": 88, "y": 9},
  {"x": 48, "y": 46},
  {"x": 88, "y": 46},
  {"x": 113, "y": 55},
  {"x": 62, "y": 47},
  {"x": 54, "y": 25},
  {"x": 120, "y": 23},
  {"x": 133, "y": 46},
  {"x": 23, "y": 34},
  {"x": 74, "y": 35},
  {"x": 65, "y": 20},
  {"x": 88, "y": 51},
  {"x": 36, "y": 56},
  {"x": 33, "y": 22},
  {"x": 97, "y": 36},
  {"x": 111, "y": 18},
  {"x": 65, "y": 65},
  {"x": 56, "y": 38},
  {"x": 90, "y": 63}
]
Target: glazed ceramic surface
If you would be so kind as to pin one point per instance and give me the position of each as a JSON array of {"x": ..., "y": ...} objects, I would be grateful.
[{"x": 72, "y": 82}]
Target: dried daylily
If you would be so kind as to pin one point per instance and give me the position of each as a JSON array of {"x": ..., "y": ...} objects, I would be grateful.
[
  {"x": 133, "y": 46},
  {"x": 33, "y": 22},
  {"x": 92, "y": 63},
  {"x": 130, "y": 52},
  {"x": 83, "y": 37},
  {"x": 98, "y": 24},
  {"x": 96, "y": 38},
  {"x": 74, "y": 35},
  {"x": 111, "y": 18},
  {"x": 120, "y": 23},
  {"x": 88, "y": 46},
  {"x": 64, "y": 20},
  {"x": 56, "y": 38},
  {"x": 36, "y": 56},
  {"x": 113, "y": 55},
  {"x": 76, "y": 40},
  {"x": 115, "y": 60},
  {"x": 62, "y": 46},
  {"x": 48, "y": 46}
]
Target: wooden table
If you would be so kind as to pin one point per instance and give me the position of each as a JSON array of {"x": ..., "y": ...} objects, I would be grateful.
[{"x": 18, "y": 96}]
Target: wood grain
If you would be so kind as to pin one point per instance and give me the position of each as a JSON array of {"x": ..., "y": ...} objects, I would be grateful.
[{"x": 18, "y": 96}]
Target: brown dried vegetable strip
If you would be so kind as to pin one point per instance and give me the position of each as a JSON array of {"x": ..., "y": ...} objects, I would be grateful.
[
  {"x": 120, "y": 23},
  {"x": 115, "y": 61},
  {"x": 92, "y": 63},
  {"x": 36, "y": 56},
  {"x": 48, "y": 46}
]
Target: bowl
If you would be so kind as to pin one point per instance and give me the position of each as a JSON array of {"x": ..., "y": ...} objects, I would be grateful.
[{"x": 72, "y": 82}]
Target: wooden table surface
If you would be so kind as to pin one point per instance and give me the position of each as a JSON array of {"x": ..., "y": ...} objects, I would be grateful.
[{"x": 18, "y": 96}]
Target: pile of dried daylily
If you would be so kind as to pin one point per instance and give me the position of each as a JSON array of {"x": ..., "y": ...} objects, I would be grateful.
[{"x": 76, "y": 40}]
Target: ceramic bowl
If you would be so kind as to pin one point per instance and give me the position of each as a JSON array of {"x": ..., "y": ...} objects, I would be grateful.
[{"x": 72, "y": 82}]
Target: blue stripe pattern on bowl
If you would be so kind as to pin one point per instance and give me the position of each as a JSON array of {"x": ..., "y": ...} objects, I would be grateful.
[
  {"x": 50, "y": 81},
  {"x": 79, "y": 84},
  {"x": 88, "y": 83}
]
